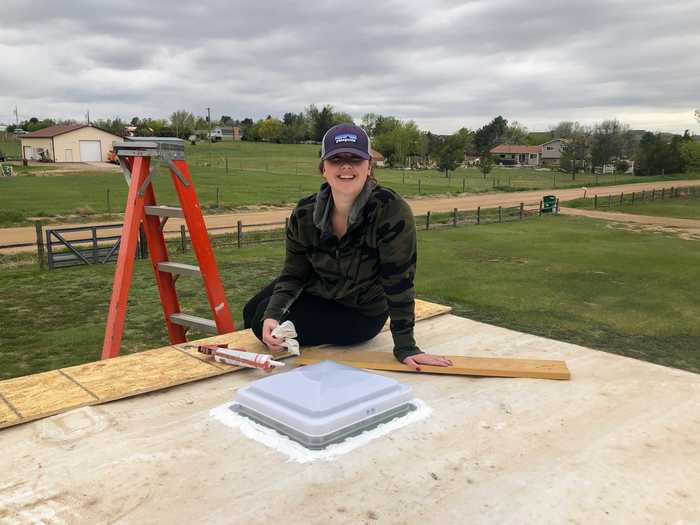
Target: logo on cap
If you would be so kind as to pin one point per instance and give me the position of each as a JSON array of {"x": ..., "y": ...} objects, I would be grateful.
[{"x": 345, "y": 137}]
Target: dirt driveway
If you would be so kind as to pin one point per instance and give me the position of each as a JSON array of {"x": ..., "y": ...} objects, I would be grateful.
[
  {"x": 227, "y": 221},
  {"x": 686, "y": 228}
]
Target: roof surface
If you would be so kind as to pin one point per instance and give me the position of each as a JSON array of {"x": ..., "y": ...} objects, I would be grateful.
[
  {"x": 515, "y": 148},
  {"x": 615, "y": 444},
  {"x": 53, "y": 131}
]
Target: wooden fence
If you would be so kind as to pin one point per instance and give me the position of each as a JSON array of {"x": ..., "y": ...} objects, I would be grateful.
[
  {"x": 96, "y": 250},
  {"x": 640, "y": 197}
]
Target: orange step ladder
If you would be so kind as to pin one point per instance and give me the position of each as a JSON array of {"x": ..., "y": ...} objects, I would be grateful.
[{"x": 135, "y": 156}]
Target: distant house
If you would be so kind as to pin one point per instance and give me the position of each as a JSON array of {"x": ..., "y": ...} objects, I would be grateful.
[
  {"x": 551, "y": 153},
  {"x": 68, "y": 143},
  {"x": 377, "y": 158},
  {"x": 227, "y": 132},
  {"x": 517, "y": 155}
]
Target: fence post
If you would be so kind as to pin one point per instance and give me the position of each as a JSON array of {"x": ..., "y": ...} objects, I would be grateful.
[
  {"x": 239, "y": 228},
  {"x": 464, "y": 184},
  {"x": 622, "y": 198},
  {"x": 142, "y": 242},
  {"x": 39, "y": 244},
  {"x": 454, "y": 217},
  {"x": 93, "y": 229},
  {"x": 427, "y": 220},
  {"x": 663, "y": 193},
  {"x": 556, "y": 206},
  {"x": 609, "y": 200},
  {"x": 595, "y": 201},
  {"x": 217, "y": 197},
  {"x": 522, "y": 206},
  {"x": 226, "y": 162},
  {"x": 500, "y": 217},
  {"x": 49, "y": 250},
  {"x": 418, "y": 185},
  {"x": 539, "y": 212},
  {"x": 633, "y": 194},
  {"x": 478, "y": 215},
  {"x": 653, "y": 194},
  {"x": 183, "y": 239}
]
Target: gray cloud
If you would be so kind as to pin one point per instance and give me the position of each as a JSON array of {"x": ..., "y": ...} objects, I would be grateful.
[{"x": 444, "y": 63}]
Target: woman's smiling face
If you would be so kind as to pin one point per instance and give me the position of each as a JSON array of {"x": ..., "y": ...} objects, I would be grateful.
[{"x": 346, "y": 174}]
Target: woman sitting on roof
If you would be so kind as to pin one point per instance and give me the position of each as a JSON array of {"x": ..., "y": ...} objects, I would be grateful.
[{"x": 350, "y": 260}]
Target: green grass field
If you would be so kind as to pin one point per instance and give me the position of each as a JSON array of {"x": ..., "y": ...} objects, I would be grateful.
[
  {"x": 681, "y": 208},
  {"x": 257, "y": 174},
  {"x": 572, "y": 279}
]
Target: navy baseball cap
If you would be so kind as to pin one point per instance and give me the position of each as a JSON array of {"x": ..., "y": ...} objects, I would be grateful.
[{"x": 345, "y": 138}]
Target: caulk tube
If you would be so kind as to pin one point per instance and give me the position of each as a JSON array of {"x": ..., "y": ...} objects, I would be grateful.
[{"x": 248, "y": 359}]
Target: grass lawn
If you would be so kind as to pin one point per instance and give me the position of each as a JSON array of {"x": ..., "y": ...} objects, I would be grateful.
[
  {"x": 572, "y": 279},
  {"x": 257, "y": 174},
  {"x": 679, "y": 207}
]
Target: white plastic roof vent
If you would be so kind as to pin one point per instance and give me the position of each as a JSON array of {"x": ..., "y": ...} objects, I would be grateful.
[{"x": 324, "y": 403}]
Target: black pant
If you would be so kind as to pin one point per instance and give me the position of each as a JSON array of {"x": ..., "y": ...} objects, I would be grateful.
[{"x": 318, "y": 321}]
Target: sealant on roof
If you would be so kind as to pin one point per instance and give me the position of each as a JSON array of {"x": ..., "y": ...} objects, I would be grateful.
[{"x": 324, "y": 403}]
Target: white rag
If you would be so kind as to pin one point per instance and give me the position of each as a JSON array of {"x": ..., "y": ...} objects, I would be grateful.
[{"x": 287, "y": 333}]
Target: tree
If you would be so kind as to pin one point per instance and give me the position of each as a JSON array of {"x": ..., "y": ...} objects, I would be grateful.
[
  {"x": 115, "y": 125},
  {"x": 369, "y": 123},
  {"x": 319, "y": 121},
  {"x": 611, "y": 139},
  {"x": 690, "y": 155},
  {"x": 576, "y": 150},
  {"x": 397, "y": 140},
  {"x": 183, "y": 122},
  {"x": 339, "y": 118},
  {"x": 657, "y": 155},
  {"x": 486, "y": 138},
  {"x": 269, "y": 129},
  {"x": 515, "y": 133},
  {"x": 295, "y": 128}
]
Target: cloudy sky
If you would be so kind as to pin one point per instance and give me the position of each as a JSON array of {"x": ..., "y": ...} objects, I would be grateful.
[{"x": 443, "y": 63}]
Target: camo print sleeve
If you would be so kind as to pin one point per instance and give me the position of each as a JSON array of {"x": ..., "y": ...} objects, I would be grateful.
[
  {"x": 396, "y": 242},
  {"x": 295, "y": 273}
]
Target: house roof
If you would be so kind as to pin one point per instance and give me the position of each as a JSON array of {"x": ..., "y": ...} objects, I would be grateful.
[
  {"x": 516, "y": 148},
  {"x": 376, "y": 155},
  {"x": 53, "y": 131}
]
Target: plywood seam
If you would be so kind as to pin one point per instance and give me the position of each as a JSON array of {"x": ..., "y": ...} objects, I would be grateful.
[
  {"x": 64, "y": 374},
  {"x": 12, "y": 407}
]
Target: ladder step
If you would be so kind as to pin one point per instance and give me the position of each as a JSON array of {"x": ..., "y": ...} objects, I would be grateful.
[
  {"x": 164, "y": 211},
  {"x": 206, "y": 325},
  {"x": 179, "y": 268}
]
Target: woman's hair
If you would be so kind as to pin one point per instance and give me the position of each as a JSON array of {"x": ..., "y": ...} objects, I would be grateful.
[{"x": 371, "y": 170}]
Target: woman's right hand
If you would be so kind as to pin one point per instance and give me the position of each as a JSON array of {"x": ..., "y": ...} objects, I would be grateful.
[{"x": 272, "y": 342}]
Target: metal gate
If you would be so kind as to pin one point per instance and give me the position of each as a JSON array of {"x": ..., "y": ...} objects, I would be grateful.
[{"x": 86, "y": 245}]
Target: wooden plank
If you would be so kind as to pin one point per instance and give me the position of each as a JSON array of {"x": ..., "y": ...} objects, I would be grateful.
[
  {"x": 472, "y": 366},
  {"x": 139, "y": 373},
  {"x": 7, "y": 415},
  {"x": 44, "y": 394},
  {"x": 426, "y": 310}
]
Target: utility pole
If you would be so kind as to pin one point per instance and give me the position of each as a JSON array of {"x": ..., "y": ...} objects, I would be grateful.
[
  {"x": 87, "y": 115},
  {"x": 16, "y": 115},
  {"x": 209, "y": 122}
]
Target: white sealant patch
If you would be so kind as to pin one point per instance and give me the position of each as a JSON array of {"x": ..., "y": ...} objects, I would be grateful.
[{"x": 297, "y": 452}]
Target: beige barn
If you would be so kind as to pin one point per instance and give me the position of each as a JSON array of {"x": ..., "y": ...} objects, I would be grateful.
[{"x": 68, "y": 143}]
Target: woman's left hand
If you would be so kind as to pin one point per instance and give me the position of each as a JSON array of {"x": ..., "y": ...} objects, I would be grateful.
[{"x": 426, "y": 359}]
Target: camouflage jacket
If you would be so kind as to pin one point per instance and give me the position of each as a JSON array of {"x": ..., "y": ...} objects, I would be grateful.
[{"x": 371, "y": 268}]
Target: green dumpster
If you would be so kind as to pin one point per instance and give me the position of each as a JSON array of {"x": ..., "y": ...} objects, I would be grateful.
[{"x": 549, "y": 204}]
